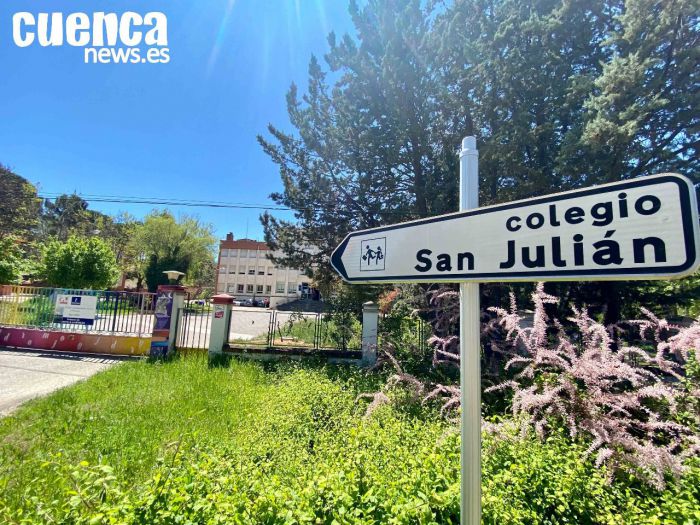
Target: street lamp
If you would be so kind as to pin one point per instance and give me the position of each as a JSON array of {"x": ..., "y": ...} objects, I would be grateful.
[{"x": 173, "y": 275}]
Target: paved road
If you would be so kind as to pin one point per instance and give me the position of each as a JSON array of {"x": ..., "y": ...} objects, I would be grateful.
[{"x": 26, "y": 375}]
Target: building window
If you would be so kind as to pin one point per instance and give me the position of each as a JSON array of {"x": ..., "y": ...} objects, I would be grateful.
[
  {"x": 292, "y": 288},
  {"x": 224, "y": 252},
  {"x": 233, "y": 252},
  {"x": 269, "y": 270},
  {"x": 230, "y": 288},
  {"x": 232, "y": 269},
  {"x": 252, "y": 254},
  {"x": 222, "y": 269},
  {"x": 251, "y": 270},
  {"x": 259, "y": 288},
  {"x": 279, "y": 287},
  {"x": 261, "y": 270},
  {"x": 240, "y": 288},
  {"x": 241, "y": 270},
  {"x": 268, "y": 289},
  {"x": 249, "y": 288}
]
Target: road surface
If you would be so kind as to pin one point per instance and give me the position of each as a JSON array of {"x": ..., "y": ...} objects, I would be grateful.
[{"x": 26, "y": 375}]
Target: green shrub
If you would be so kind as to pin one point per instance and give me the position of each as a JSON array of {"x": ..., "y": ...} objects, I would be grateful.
[
  {"x": 181, "y": 443},
  {"x": 407, "y": 338},
  {"x": 79, "y": 263}
]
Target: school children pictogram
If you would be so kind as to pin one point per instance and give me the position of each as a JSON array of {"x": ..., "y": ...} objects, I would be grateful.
[{"x": 373, "y": 254}]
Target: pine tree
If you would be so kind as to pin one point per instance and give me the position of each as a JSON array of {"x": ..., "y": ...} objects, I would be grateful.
[
  {"x": 561, "y": 94},
  {"x": 365, "y": 152}
]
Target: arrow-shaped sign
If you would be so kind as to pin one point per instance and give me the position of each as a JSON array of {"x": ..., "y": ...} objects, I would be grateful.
[{"x": 643, "y": 228}]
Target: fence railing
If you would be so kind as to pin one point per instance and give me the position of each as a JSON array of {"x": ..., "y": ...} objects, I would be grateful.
[
  {"x": 122, "y": 313},
  {"x": 194, "y": 324},
  {"x": 250, "y": 328},
  {"x": 282, "y": 329}
]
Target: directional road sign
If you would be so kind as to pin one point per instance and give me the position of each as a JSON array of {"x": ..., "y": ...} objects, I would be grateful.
[{"x": 642, "y": 228}]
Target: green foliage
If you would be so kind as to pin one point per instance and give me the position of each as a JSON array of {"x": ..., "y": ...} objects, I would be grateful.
[
  {"x": 365, "y": 152},
  {"x": 11, "y": 260},
  {"x": 672, "y": 298},
  {"x": 79, "y": 263},
  {"x": 154, "y": 272},
  {"x": 67, "y": 216},
  {"x": 164, "y": 243},
  {"x": 19, "y": 205},
  {"x": 117, "y": 231},
  {"x": 643, "y": 118},
  {"x": 178, "y": 442},
  {"x": 407, "y": 336},
  {"x": 560, "y": 95},
  {"x": 526, "y": 481}
]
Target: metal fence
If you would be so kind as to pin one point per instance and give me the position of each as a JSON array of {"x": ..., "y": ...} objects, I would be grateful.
[
  {"x": 250, "y": 327},
  {"x": 274, "y": 329},
  {"x": 409, "y": 332},
  {"x": 193, "y": 324},
  {"x": 124, "y": 313}
]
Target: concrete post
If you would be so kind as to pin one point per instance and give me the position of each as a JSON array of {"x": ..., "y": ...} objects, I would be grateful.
[
  {"x": 170, "y": 299},
  {"x": 220, "y": 321},
  {"x": 370, "y": 324}
]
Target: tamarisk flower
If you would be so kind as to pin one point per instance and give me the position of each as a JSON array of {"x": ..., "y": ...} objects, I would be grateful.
[{"x": 620, "y": 398}]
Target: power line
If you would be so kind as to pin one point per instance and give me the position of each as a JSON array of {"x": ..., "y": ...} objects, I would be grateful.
[
  {"x": 90, "y": 196},
  {"x": 170, "y": 202},
  {"x": 156, "y": 201}
]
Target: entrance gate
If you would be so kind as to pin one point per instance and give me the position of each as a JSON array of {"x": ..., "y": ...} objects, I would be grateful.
[{"x": 193, "y": 324}]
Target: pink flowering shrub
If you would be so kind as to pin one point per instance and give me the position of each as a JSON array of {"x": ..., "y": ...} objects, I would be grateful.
[
  {"x": 624, "y": 398},
  {"x": 636, "y": 405},
  {"x": 444, "y": 306},
  {"x": 402, "y": 386}
]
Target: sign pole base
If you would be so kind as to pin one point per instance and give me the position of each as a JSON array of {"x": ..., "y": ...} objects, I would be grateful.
[{"x": 470, "y": 380}]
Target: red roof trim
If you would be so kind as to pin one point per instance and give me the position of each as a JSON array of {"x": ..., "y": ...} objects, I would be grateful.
[{"x": 244, "y": 244}]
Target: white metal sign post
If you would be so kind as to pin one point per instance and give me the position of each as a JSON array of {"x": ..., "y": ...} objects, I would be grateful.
[
  {"x": 644, "y": 228},
  {"x": 470, "y": 353}
]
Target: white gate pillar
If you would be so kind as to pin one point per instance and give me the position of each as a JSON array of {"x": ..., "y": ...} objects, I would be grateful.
[
  {"x": 370, "y": 324},
  {"x": 220, "y": 321}
]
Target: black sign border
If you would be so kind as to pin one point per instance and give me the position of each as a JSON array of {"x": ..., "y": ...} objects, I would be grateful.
[{"x": 688, "y": 212}]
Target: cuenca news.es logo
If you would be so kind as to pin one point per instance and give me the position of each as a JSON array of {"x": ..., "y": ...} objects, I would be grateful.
[{"x": 129, "y": 38}]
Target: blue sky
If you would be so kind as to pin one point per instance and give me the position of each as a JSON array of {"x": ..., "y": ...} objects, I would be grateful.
[{"x": 183, "y": 130}]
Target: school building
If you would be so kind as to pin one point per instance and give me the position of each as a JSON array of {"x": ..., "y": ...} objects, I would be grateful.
[{"x": 245, "y": 272}]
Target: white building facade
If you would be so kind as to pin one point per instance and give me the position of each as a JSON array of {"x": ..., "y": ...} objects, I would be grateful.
[{"x": 245, "y": 272}]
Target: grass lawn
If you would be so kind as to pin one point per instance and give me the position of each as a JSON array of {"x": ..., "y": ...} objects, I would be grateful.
[
  {"x": 260, "y": 439},
  {"x": 183, "y": 443}
]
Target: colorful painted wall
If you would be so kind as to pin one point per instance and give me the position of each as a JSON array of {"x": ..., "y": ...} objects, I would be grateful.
[{"x": 19, "y": 337}]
